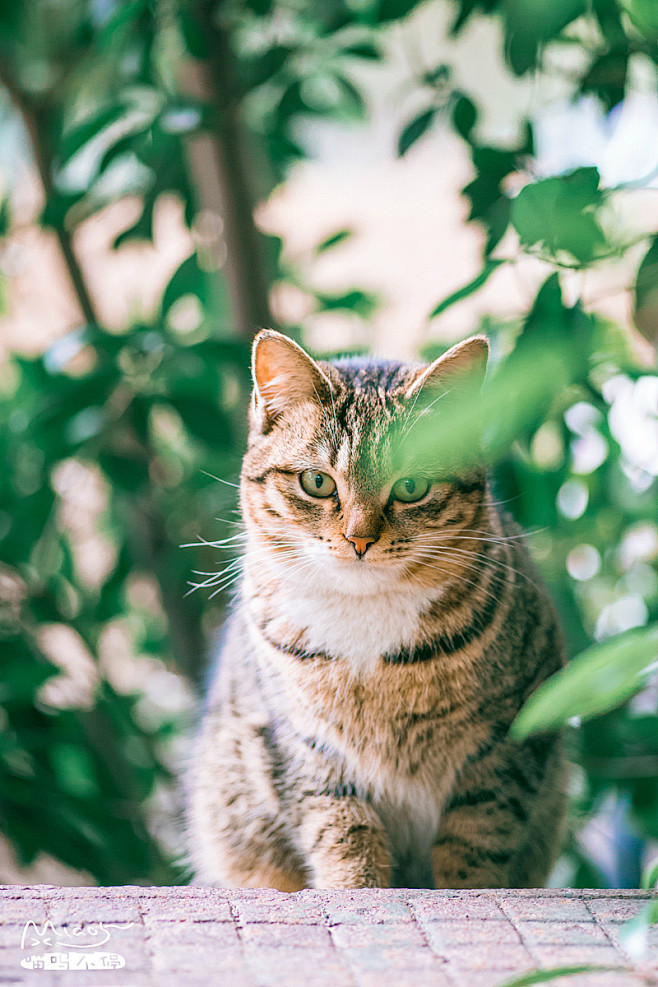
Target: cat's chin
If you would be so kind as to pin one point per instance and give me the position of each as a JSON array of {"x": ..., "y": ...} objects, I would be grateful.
[{"x": 358, "y": 577}]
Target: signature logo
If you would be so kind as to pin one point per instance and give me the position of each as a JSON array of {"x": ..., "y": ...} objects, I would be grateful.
[
  {"x": 70, "y": 947},
  {"x": 73, "y": 961}
]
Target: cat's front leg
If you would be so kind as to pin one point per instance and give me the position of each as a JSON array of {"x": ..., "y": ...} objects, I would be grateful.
[
  {"x": 344, "y": 843},
  {"x": 502, "y": 826}
]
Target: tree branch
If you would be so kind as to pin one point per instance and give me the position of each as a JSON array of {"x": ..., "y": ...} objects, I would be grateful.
[
  {"x": 222, "y": 174},
  {"x": 35, "y": 119}
]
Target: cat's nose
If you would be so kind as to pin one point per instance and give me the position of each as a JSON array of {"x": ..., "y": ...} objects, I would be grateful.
[{"x": 361, "y": 543}]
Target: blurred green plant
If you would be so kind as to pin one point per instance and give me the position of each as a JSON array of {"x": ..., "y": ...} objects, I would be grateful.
[
  {"x": 551, "y": 419},
  {"x": 208, "y": 101}
]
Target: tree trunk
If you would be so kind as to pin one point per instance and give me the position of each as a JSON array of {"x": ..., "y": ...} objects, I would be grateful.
[{"x": 219, "y": 163}]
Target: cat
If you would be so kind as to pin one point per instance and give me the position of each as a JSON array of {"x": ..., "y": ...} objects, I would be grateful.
[{"x": 388, "y": 627}]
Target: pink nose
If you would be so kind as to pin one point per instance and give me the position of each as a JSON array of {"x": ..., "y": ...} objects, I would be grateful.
[{"x": 361, "y": 544}]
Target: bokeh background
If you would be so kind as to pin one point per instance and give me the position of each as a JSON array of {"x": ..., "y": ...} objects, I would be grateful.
[{"x": 381, "y": 176}]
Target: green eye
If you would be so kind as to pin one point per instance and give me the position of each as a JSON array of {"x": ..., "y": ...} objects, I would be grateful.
[
  {"x": 317, "y": 484},
  {"x": 409, "y": 489}
]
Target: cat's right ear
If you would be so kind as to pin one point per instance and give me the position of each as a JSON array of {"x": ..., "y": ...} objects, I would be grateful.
[{"x": 283, "y": 375}]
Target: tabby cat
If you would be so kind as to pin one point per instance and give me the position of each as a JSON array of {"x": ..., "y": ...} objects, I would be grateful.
[{"x": 387, "y": 629}]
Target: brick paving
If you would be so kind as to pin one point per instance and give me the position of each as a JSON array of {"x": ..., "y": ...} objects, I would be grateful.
[{"x": 206, "y": 937}]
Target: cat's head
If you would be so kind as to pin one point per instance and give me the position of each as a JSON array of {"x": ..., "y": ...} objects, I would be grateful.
[{"x": 333, "y": 484}]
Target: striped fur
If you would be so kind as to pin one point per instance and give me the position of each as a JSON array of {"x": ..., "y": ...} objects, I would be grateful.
[{"x": 356, "y": 733}]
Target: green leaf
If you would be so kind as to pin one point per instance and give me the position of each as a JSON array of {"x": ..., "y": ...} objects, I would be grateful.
[
  {"x": 464, "y": 116},
  {"x": 196, "y": 40},
  {"x": 56, "y": 209},
  {"x": 489, "y": 204},
  {"x": 595, "y": 681},
  {"x": 260, "y": 7},
  {"x": 332, "y": 241},
  {"x": 292, "y": 103},
  {"x": 128, "y": 474},
  {"x": 268, "y": 64},
  {"x": 543, "y": 976},
  {"x": 634, "y": 935},
  {"x": 351, "y": 100},
  {"x": 187, "y": 279},
  {"x": 469, "y": 7},
  {"x": 363, "y": 49},
  {"x": 492, "y": 165},
  {"x": 361, "y": 302},
  {"x": 650, "y": 876},
  {"x": 73, "y": 767},
  {"x": 394, "y": 10},
  {"x": 204, "y": 419},
  {"x": 124, "y": 145},
  {"x": 606, "y": 78},
  {"x": 415, "y": 130},
  {"x": 558, "y": 215},
  {"x": 644, "y": 15},
  {"x": 646, "y": 294},
  {"x": 122, "y": 20},
  {"x": 142, "y": 229},
  {"x": 489, "y": 267},
  {"x": 531, "y": 24},
  {"x": 23, "y": 672},
  {"x": 5, "y": 216},
  {"x": 93, "y": 125},
  {"x": 111, "y": 598}
]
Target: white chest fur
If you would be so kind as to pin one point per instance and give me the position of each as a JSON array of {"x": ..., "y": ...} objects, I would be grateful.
[{"x": 358, "y": 629}]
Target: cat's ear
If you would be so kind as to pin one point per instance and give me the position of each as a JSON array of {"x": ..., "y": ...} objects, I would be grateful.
[
  {"x": 284, "y": 375},
  {"x": 464, "y": 364}
]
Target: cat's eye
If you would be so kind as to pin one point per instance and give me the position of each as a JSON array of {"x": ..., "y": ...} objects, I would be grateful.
[
  {"x": 317, "y": 484},
  {"x": 410, "y": 488}
]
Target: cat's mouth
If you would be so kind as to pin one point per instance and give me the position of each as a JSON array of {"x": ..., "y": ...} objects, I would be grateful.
[{"x": 368, "y": 574}]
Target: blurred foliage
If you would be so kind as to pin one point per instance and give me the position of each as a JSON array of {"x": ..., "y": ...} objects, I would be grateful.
[{"x": 112, "y": 96}]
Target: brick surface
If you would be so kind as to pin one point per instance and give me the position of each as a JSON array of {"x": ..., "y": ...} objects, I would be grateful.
[
  {"x": 487, "y": 957},
  {"x": 389, "y": 934},
  {"x": 435, "y": 909},
  {"x": 558, "y": 955},
  {"x": 494, "y": 978},
  {"x": 379, "y": 912},
  {"x": 472, "y": 932},
  {"x": 291, "y": 909},
  {"x": 563, "y": 933},
  {"x": 88, "y": 911},
  {"x": 616, "y": 909},
  {"x": 275, "y": 934},
  {"x": 198, "y": 937},
  {"x": 188, "y": 909},
  {"x": 546, "y": 909}
]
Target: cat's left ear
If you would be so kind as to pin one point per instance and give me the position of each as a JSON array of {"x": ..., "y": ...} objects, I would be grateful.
[
  {"x": 284, "y": 374},
  {"x": 464, "y": 364}
]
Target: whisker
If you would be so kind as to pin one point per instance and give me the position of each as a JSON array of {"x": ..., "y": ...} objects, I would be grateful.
[
  {"x": 220, "y": 480},
  {"x": 233, "y": 568},
  {"x": 214, "y": 544},
  {"x": 501, "y": 503},
  {"x": 519, "y": 534},
  {"x": 492, "y": 562},
  {"x": 457, "y": 577},
  {"x": 488, "y": 536},
  {"x": 410, "y": 411},
  {"x": 425, "y": 411}
]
